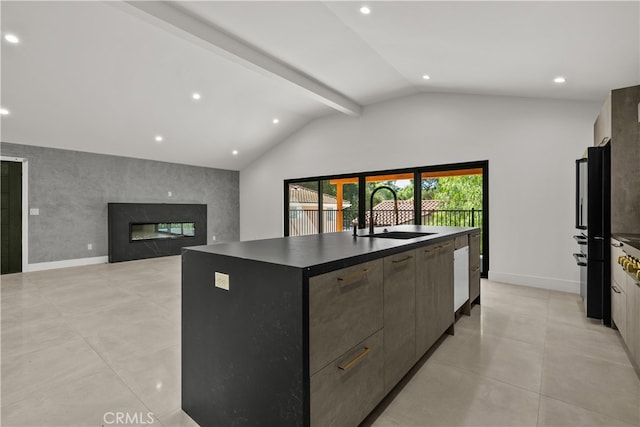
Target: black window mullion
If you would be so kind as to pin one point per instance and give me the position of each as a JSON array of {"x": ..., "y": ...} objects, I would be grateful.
[
  {"x": 417, "y": 198},
  {"x": 362, "y": 201},
  {"x": 320, "y": 208},
  {"x": 287, "y": 209}
]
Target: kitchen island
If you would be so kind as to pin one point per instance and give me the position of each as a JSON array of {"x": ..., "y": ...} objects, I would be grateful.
[{"x": 314, "y": 330}]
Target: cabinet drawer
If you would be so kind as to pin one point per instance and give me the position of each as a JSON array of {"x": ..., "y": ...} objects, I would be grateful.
[
  {"x": 345, "y": 307},
  {"x": 619, "y": 310},
  {"x": 633, "y": 317},
  {"x": 461, "y": 241},
  {"x": 617, "y": 272},
  {"x": 344, "y": 392}
]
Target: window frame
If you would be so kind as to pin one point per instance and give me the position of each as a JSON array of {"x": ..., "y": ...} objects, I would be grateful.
[{"x": 417, "y": 178}]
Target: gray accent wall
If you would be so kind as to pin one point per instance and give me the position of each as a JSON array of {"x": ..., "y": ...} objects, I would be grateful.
[{"x": 72, "y": 188}]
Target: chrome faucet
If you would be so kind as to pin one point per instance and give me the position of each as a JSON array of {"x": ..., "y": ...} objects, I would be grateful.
[{"x": 395, "y": 205}]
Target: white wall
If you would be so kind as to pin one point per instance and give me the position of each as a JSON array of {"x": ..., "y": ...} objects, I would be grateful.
[{"x": 531, "y": 145}]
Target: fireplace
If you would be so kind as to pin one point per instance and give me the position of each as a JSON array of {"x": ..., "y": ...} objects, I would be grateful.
[
  {"x": 162, "y": 230},
  {"x": 147, "y": 230}
]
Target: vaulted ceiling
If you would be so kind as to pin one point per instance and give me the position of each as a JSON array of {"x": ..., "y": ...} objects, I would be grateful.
[{"x": 108, "y": 77}]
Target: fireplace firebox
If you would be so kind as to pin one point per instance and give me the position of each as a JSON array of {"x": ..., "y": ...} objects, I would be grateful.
[
  {"x": 162, "y": 230},
  {"x": 147, "y": 230}
]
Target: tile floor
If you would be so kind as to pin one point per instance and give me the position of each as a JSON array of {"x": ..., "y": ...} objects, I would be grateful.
[{"x": 82, "y": 346}]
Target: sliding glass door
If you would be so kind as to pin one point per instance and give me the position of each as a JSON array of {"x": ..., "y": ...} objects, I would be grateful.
[
  {"x": 448, "y": 195},
  {"x": 321, "y": 206}
]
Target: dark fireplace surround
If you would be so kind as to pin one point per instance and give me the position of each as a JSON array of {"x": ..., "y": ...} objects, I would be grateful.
[{"x": 132, "y": 234}]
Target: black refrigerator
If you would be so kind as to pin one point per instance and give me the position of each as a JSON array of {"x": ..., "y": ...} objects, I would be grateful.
[{"x": 593, "y": 221}]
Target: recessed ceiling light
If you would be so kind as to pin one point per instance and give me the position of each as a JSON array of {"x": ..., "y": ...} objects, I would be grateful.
[
  {"x": 234, "y": 152},
  {"x": 426, "y": 77},
  {"x": 159, "y": 138},
  {"x": 11, "y": 38},
  {"x": 559, "y": 79},
  {"x": 4, "y": 111},
  {"x": 196, "y": 96},
  {"x": 365, "y": 10},
  {"x": 276, "y": 121}
]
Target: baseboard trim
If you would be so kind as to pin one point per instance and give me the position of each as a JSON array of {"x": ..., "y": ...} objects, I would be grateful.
[
  {"x": 39, "y": 266},
  {"x": 536, "y": 282}
]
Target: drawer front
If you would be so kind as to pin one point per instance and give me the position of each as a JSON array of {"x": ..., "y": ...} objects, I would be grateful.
[
  {"x": 345, "y": 307},
  {"x": 461, "y": 241},
  {"x": 346, "y": 391},
  {"x": 617, "y": 273},
  {"x": 619, "y": 310},
  {"x": 633, "y": 318}
]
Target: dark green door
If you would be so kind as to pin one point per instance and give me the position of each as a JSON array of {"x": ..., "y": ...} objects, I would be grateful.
[{"x": 11, "y": 221}]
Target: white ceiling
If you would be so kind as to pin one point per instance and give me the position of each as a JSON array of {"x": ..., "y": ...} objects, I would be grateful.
[{"x": 107, "y": 77}]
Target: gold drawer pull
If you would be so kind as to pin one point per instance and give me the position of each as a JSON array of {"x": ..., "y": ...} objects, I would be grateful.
[
  {"x": 352, "y": 276},
  {"x": 615, "y": 289},
  {"x": 446, "y": 245},
  {"x": 475, "y": 269},
  {"x": 397, "y": 261},
  {"x": 435, "y": 248},
  {"x": 355, "y": 360}
]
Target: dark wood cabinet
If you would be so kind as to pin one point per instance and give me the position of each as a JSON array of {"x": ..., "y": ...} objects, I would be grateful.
[
  {"x": 346, "y": 356},
  {"x": 345, "y": 307},
  {"x": 434, "y": 294},
  {"x": 618, "y": 120},
  {"x": 399, "y": 316},
  {"x": 345, "y": 391}
]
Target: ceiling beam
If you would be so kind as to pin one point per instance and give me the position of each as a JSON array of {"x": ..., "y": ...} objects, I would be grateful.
[{"x": 171, "y": 16}]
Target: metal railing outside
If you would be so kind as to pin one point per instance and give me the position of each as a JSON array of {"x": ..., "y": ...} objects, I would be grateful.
[{"x": 453, "y": 217}]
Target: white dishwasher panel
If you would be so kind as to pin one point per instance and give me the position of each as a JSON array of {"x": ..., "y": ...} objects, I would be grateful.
[{"x": 460, "y": 277}]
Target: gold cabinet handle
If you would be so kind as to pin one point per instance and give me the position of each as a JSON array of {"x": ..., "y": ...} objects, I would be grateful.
[
  {"x": 616, "y": 290},
  {"x": 397, "y": 261},
  {"x": 355, "y": 360},
  {"x": 445, "y": 245},
  {"x": 475, "y": 269},
  {"x": 353, "y": 276}
]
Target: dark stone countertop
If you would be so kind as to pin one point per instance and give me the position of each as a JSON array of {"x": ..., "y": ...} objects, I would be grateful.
[
  {"x": 629, "y": 239},
  {"x": 319, "y": 253}
]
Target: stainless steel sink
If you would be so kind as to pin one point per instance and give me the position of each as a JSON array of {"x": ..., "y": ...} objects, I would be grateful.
[{"x": 398, "y": 235}]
